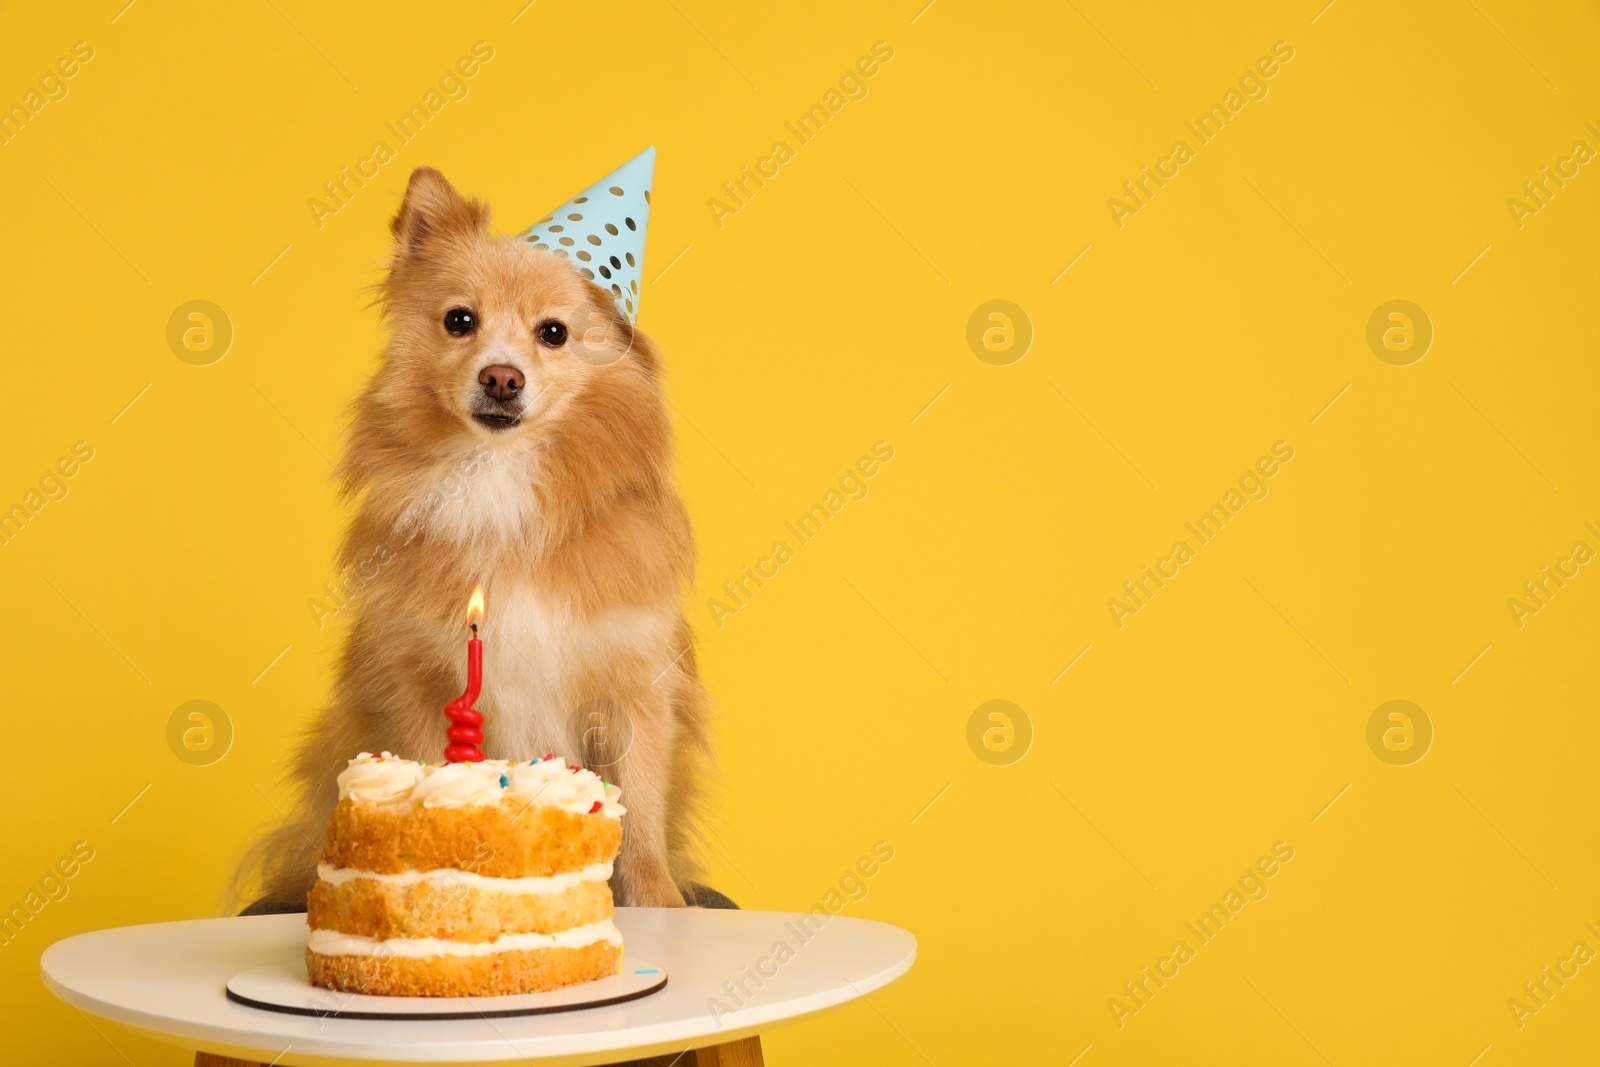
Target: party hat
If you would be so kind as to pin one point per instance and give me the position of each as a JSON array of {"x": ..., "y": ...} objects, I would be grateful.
[{"x": 602, "y": 230}]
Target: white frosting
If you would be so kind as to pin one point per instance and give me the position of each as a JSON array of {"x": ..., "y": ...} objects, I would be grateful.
[
  {"x": 448, "y": 876},
  {"x": 456, "y": 785},
  {"x": 551, "y": 782},
  {"x": 387, "y": 779},
  {"x": 379, "y": 781},
  {"x": 334, "y": 943}
]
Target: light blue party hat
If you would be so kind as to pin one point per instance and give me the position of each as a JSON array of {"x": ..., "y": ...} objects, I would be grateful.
[{"x": 602, "y": 230}]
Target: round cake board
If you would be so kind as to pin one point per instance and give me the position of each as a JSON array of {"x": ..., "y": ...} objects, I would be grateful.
[{"x": 284, "y": 987}]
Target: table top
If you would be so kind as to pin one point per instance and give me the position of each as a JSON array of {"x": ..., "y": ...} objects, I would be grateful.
[{"x": 730, "y": 974}]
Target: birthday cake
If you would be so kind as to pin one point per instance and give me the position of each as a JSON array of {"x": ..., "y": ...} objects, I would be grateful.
[{"x": 465, "y": 879}]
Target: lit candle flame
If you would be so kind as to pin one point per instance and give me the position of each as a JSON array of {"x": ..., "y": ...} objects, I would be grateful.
[{"x": 475, "y": 605}]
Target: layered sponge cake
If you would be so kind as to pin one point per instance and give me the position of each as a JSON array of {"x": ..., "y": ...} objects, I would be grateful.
[{"x": 465, "y": 879}]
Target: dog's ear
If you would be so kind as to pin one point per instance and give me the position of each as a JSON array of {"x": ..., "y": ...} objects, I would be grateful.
[{"x": 433, "y": 209}]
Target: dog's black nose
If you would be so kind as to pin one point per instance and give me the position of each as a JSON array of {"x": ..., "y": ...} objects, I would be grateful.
[{"x": 501, "y": 382}]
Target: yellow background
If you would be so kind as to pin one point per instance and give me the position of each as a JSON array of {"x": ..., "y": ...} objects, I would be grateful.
[{"x": 823, "y": 317}]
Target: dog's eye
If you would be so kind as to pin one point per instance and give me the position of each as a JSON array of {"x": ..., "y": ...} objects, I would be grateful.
[
  {"x": 460, "y": 321},
  {"x": 552, "y": 334}
]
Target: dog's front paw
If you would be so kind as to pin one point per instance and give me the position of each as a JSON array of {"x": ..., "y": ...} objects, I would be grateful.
[{"x": 657, "y": 890}]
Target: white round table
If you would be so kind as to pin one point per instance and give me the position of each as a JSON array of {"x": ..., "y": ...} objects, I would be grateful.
[{"x": 167, "y": 979}]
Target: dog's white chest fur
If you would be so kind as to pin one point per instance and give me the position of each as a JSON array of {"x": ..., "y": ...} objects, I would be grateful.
[
  {"x": 485, "y": 495},
  {"x": 541, "y": 663}
]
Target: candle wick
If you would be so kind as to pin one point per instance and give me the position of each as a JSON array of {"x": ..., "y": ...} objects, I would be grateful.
[{"x": 474, "y": 629}]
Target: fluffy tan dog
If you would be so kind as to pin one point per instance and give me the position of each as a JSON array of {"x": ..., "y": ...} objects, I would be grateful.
[{"x": 515, "y": 434}]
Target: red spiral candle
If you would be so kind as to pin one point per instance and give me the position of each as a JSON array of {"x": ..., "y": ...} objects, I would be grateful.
[{"x": 465, "y": 732}]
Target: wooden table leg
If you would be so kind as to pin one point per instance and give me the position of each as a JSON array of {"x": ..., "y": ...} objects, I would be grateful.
[{"x": 746, "y": 1052}]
